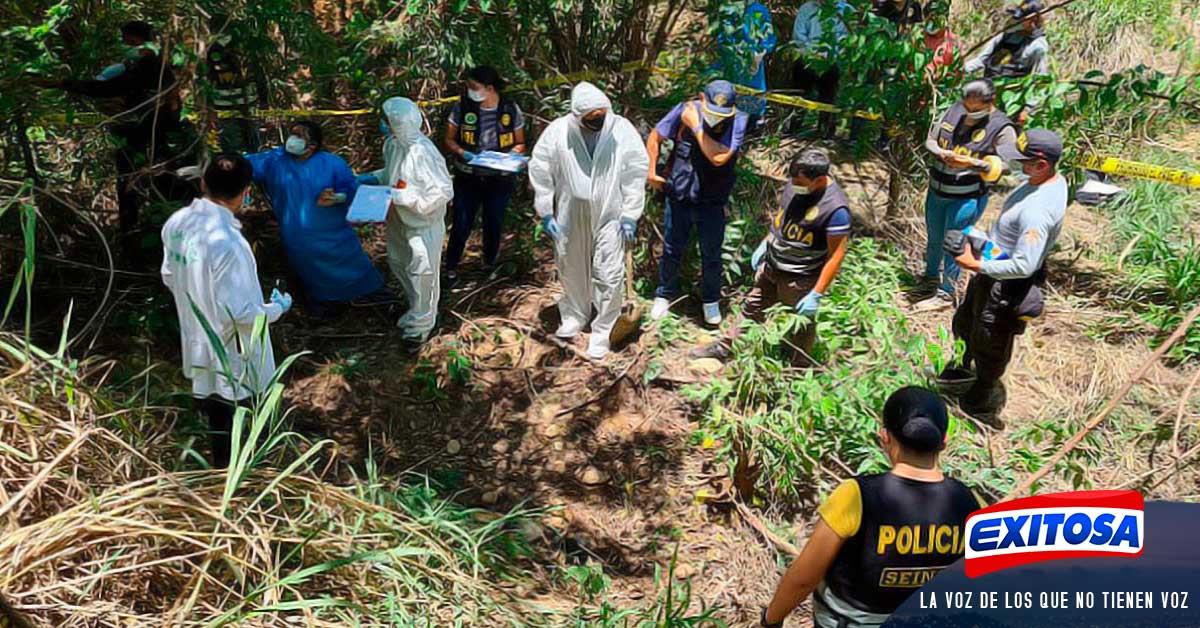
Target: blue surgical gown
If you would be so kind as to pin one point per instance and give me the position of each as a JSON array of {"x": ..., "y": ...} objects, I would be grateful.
[{"x": 322, "y": 248}]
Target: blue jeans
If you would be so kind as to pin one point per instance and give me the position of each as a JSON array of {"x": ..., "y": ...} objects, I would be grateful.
[
  {"x": 471, "y": 191},
  {"x": 709, "y": 219},
  {"x": 943, "y": 214}
]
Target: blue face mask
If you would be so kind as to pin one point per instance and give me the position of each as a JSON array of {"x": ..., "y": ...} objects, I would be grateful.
[
  {"x": 295, "y": 145},
  {"x": 246, "y": 200}
]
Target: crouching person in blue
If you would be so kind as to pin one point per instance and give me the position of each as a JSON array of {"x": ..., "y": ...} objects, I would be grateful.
[{"x": 310, "y": 191}]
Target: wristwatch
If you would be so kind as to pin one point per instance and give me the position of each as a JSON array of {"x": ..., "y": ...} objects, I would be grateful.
[{"x": 762, "y": 620}]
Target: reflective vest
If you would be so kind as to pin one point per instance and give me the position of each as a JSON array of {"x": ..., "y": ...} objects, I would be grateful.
[
  {"x": 505, "y": 123},
  {"x": 231, "y": 84},
  {"x": 909, "y": 531},
  {"x": 970, "y": 141},
  {"x": 1008, "y": 58},
  {"x": 799, "y": 239},
  {"x": 693, "y": 177}
]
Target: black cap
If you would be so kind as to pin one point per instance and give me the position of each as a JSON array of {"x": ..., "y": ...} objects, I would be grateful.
[
  {"x": 917, "y": 418},
  {"x": 1037, "y": 144},
  {"x": 1026, "y": 9}
]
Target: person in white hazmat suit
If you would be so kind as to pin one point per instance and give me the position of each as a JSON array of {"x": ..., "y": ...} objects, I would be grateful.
[
  {"x": 416, "y": 222},
  {"x": 588, "y": 172}
]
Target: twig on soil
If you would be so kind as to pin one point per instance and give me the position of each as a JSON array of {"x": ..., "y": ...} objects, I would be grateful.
[
  {"x": 602, "y": 394},
  {"x": 1183, "y": 405},
  {"x": 1108, "y": 408},
  {"x": 761, "y": 528}
]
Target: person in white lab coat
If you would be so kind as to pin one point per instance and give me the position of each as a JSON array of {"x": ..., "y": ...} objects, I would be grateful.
[
  {"x": 588, "y": 172},
  {"x": 416, "y": 223},
  {"x": 210, "y": 270}
]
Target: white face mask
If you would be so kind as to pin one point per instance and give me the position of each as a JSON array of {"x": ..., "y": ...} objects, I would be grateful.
[
  {"x": 295, "y": 145},
  {"x": 476, "y": 95},
  {"x": 976, "y": 116},
  {"x": 711, "y": 119},
  {"x": 800, "y": 190}
]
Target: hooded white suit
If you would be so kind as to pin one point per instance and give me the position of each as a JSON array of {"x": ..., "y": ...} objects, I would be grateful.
[
  {"x": 416, "y": 223},
  {"x": 589, "y": 194}
]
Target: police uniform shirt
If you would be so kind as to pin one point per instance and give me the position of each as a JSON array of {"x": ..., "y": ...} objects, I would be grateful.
[
  {"x": 899, "y": 534},
  {"x": 487, "y": 124}
]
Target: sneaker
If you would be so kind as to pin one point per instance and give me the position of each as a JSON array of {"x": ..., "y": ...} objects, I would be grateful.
[
  {"x": 716, "y": 350},
  {"x": 927, "y": 287},
  {"x": 940, "y": 300},
  {"x": 597, "y": 348},
  {"x": 712, "y": 313},
  {"x": 568, "y": 329},
  {"x": 660, "y": 309}
]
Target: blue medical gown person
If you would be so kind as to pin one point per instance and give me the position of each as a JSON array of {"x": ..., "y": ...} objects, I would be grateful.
[
  {"x": 745, "y": 37},
  {"x": 322, "y": 248}
]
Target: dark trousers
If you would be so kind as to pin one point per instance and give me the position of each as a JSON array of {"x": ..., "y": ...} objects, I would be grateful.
[
  {"x": 821, "y": 85},
  {"x": 709, "y": 219},
  {"x": 987, "y": 323},
  {"x": 219, "y": 412},
  {"x": 471, "y": 191},
  {"x": 239, "y": 134},
  {"x": 772, "y": 286}
]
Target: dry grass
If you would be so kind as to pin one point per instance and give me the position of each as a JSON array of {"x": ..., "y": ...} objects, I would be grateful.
[{"x": 97, "y": 533}]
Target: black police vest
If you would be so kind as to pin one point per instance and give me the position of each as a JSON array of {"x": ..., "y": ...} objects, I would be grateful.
[
  {"x": 800, "y": 242},
  {"x": 693, "y": 177},
  {"x": 470, "y": 120},
  {"x": 970, "y": 141},
  {"x": 910, "y": 531},
  {"x": 1007, "y": 59}
]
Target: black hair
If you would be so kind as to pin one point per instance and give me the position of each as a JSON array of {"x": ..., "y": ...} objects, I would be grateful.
[
  {"x": 139, "y": 29},
  {"x": 917, "y": 418},
  {"x": 228, "y": 176},
  {"x": 316, "y": 136},
  {"x": 811, "y": 163},
  {"x": 487, "y": 75}
]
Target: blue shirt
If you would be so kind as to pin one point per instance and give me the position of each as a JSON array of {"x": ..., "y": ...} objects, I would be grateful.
[
  {"x": 809, "y": 27},
  {"x": 322, "y": 248},
  {"x": 693, "y": 178}
]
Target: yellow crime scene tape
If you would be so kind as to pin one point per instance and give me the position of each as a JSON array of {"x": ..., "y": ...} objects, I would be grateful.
[
  {"x": 1106, "y": 164},
  {"x": 1125, "y": 168}
]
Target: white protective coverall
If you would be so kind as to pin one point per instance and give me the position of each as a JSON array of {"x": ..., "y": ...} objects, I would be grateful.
[
  {"x": 416, "y": 224},
  {"x": 589, "y": 195},
  {"x": 206, "y": 257}
]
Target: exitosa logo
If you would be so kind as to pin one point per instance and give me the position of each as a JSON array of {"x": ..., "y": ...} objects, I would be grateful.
[{"x": 1052, "y": 527}]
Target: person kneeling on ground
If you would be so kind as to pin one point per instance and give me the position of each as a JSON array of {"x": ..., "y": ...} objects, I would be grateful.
[
  {"x": 588, "y": 172},
  {"x": 1006, "y": 291},
  {"x": 210, "y": 270},
  {"x": 416, "y": 222},
  {"x": 310, "y": 191},
  {"x": 852, "y": 562},
  {"x": 797, "y": 261}
]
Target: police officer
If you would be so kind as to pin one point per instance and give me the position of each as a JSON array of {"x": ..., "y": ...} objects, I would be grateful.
[
  {"x": 970, "y": 130},
  {"x": 235, "y": 85},
  {"x": 881, "y": 536},
  {"x": 799, "y": 258},
  {"x": 708, "y": 134},
  {"x": 1019, "y": 51},
  {"x": 1006, "y": 291},
  {"x": 482, "y": 120}
]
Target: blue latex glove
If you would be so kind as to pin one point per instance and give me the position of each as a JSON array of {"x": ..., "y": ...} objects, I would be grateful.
[
  {"x": 809, "y": 304},
  {"x": 367, "y": 178},
  {"x": 282, "y": 299},
  {"x": 468, "y": 156},
  {"x": 629, "y": 229},
  {"x": 384, "y": 129},
  {"x": 759, "y": 256},
  {"x": 550, "y": 226}
]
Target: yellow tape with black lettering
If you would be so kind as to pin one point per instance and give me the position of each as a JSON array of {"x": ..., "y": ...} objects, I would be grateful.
[{"x": 1124, "y": 168}]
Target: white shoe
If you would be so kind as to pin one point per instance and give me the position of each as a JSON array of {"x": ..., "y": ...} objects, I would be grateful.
[
  {"x": 712, "y": 313},
  {"x": 569, "y": 329},
  {"x": 660, "y": 309},
  {"x": 597, "y": 350}
]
